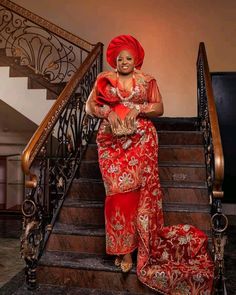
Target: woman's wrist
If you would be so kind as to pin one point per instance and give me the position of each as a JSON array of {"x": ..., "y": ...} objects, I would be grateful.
[
  {"x": 141, "y": 108},
  {"x": 138, "y": 108},
  {"x": 103, "y": 111}
]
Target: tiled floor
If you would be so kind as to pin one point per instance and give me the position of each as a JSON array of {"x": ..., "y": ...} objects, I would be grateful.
[
  {"x": 12, "y": 265},
  {"x": 10, "y": 260}
]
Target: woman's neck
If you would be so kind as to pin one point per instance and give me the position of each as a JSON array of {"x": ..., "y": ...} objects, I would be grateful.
[
  {"x": 126, "y": 82},
  {"x": 123, "y": 76}
]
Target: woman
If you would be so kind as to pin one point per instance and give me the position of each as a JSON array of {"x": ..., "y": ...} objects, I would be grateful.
[{"x": 171, "y": 260}]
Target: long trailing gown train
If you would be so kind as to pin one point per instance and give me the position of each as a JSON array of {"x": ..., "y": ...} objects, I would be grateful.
[{"x": 170, "y": 259}]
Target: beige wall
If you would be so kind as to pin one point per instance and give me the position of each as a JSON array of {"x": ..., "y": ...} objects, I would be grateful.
[{"x": 169, "y": 30}]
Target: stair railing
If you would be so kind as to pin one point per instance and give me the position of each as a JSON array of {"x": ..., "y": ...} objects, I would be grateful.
[
  {"x": 51, "y": 160},
  {"x": 209, "y": 124},
  {"x": 52, "y": 157},
  {"x": 44, "y": 47}
]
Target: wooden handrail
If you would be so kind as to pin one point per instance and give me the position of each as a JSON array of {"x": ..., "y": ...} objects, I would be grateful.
[
  {"x": 81, "y": 43},
  {"x": 43, "y": 131},
  {"x": 215, "y": 130}
]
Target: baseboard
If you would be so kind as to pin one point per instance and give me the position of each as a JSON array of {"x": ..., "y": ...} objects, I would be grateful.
[{"x": 229, "y": 208}]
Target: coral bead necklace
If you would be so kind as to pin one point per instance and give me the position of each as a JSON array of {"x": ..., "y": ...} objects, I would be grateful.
[{"x": 126, "y": 98}]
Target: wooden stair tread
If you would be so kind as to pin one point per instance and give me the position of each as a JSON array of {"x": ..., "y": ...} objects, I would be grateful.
[
  {"x": 166, "y": 146},
  {"x": 193, "y": 184},
  {"x": 80, "y": 260},
  {"x": 169, "y": 123},
  {"x": 161, "y": 163},
  {"x": 190, "y": 132},
  {"x": 177, "y": 164},
  {"x": 82, "y": 203},
  {"x": 82, "y": 230},
  {"x": 167, "y": 206},
  {"x": 68, "y": 290},
  {"x": 183, "y": 137},
  {"x": 35, "y": 81}
]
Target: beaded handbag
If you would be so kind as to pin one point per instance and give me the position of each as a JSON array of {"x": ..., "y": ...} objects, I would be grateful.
[{"x": 122, "y": 111}]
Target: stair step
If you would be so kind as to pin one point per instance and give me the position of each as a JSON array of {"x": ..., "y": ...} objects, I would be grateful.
[
  {"x": 180, "y": 124},
  {"x": 90, "y": 189},
  {"x": 168, "y": 171},
  {"x": 35, "y": 81},
  {"x": 174, "y": 137},
  {"x": 174, "y": 213},
  {"x": 85, "y": 230},
  {"x": 181, "y": 206},
  {"x": 80, "y": 239},
  {"x": 66, "y": 290},
  {"x": 87, "y": 271},
  {"x": 167, "y": 153},
  {"x": 83, "y": 203},
  {"x": 53, "y": 89},
  {"x": 80, "y": 215},
  {"x": 8, "y": 60},
  {"x": 78, "y": 212}
]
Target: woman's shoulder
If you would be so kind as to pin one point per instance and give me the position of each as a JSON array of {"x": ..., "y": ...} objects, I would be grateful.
[
  {"x": 107, "y": 74},
  {"x": 144, "y": 76}
]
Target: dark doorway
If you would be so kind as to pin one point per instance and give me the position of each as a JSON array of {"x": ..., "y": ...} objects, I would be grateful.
[{"x": 224, "y": 88}]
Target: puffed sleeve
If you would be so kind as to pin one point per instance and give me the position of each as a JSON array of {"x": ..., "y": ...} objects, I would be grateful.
[{"x": 153, "y": 92}]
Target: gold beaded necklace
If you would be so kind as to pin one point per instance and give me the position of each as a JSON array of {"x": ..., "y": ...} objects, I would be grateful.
[{"x": 132, "y": 89}]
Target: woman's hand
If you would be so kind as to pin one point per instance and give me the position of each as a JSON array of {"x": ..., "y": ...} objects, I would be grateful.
[
  {"x": 130, "y": 119},
  {"x": 114, "y": 121}
]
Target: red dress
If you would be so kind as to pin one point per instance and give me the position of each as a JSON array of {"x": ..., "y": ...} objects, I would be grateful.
[{"x": 173, "y": 259}]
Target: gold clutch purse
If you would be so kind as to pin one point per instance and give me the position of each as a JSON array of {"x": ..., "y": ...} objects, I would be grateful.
[{"x": 122, "y": 111}]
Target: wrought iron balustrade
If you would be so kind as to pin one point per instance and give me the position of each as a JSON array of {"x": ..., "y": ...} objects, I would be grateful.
[
  {"x": 47, "y": 49},
  {"x": 208, "y": 121},
  {"x": 52, "y": 157}
]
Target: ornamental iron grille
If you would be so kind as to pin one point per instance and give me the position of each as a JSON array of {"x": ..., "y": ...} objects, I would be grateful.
[
  {"x": 55, "y": 164},
  {"x": 46, "y": 53},
  {"x": 52, "y": 157},
  {"x": 206, "y": 113}
]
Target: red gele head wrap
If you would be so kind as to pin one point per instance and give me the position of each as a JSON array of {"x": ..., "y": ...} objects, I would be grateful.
[{"x": 125, "y": 42}]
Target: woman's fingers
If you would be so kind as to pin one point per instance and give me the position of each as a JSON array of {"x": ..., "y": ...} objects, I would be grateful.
[
  {"x": 130, "y": 119},
  {"x": 114, "y": 121}
]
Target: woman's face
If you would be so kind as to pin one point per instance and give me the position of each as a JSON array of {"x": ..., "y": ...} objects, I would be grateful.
[{"x": 125, "y": 62}]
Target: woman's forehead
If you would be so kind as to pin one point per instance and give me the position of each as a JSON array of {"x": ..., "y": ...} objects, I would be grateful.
[{"x": 125, "y": 53}]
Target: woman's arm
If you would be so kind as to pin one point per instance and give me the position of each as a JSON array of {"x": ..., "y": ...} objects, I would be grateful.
[
  {"x": 154, "y": 107},
  {"x": 151, "y": 109},
  {"x": 92, "y": 108}
]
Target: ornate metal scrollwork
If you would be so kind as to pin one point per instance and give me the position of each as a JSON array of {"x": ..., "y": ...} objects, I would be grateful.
[
  {"x": 219, "y": 221},
  {"x": 46, "y": 53},
  {"x": 61, "y": 139},
  {"x": 56, "y": 164}
]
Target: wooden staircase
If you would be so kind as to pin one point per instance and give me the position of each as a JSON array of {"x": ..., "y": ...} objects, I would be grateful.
[
  {"x": 35, "y": 81},
  {"x": 75, "y": 252}
]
